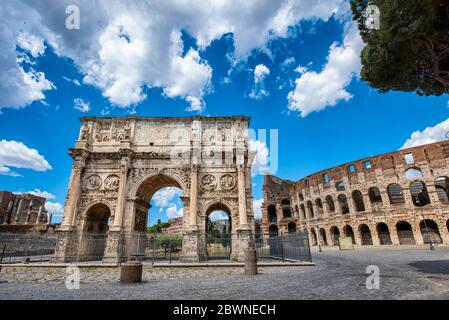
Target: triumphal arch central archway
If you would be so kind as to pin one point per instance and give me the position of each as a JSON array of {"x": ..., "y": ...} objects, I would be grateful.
[{"x": 119, "y": 163}]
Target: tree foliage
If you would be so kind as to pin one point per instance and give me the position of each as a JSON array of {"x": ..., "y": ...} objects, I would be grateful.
[{"x": 410, "y": 50}]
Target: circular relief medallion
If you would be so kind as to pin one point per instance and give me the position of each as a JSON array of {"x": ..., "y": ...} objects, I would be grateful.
[
  {"x": 112, "y": 182},
  {"x": 208, "y": 182},
  {"x": 93, "y": 182},
  {"x": 227, "y": 182}
]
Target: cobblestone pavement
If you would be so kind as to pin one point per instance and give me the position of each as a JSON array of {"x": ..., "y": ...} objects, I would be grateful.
[{"x": 404, "y": 274}]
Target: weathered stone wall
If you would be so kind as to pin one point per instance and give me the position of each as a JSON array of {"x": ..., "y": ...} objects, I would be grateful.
[
  {"x": 373, "y": 215},
  {"x": 22, "y": 209}
]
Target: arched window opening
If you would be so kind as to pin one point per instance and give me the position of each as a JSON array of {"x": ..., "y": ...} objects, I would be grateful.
[
  {"x": 405, "y": 233},
  {"x": 340, "y": 186},
  {"x": 395, "y": 194},
  {"x": 374, "y": 195},
  {"x": 330, "y": 203},
  {"x": 419, "y": 193},
  {"x": 291, "y": 227},
  {"x": 357, "y": 197},
  {"x": 343, "y": 202},
  {"x": 273, "y": 231},
  {"x": 335, "y": 234},
  {"x": 310, "y": 208},
  {"x": 442, "y": 189},
  {"x": 431, "y": 233},
  {"x": 319, "y": 205},
  {"x": 384, "y": 234},
  {"x": 349, "y": 232},
  {"x": 365, "y": 234},
  {"x": 272, "y": 217}
]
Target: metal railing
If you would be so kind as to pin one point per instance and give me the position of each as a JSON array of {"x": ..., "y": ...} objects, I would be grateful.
[
  {"x": 17, "y": 248},
  {"x": 26, "y": 248}
]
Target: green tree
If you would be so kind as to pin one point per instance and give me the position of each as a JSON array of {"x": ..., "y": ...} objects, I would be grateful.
[{"x": 410, "y": 50}]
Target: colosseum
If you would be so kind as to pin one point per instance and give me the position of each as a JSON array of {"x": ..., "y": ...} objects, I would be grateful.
[{"x": 397, "y": 198}]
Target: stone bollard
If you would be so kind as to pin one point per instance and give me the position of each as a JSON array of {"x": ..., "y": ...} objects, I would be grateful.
[
  {"x": 250, "y": 262},
  {"x": 131, "y": 272}
]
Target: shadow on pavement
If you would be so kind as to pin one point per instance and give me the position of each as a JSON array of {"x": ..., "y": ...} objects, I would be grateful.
[{"x": 436, "y": 267}]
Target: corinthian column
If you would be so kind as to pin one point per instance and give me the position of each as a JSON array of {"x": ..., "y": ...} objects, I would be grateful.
[
  {"x": 242, "y": 196},
  {"x": 118, "y": 219},
  {"x": 193, "y": 209},
  {"x": 74, "y": 193}
]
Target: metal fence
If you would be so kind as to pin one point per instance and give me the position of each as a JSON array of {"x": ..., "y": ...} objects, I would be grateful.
[
  {"x": 293, "y": 246},
  {"x": 15, "y": 248},
  {"x": 26, "y": 248}
]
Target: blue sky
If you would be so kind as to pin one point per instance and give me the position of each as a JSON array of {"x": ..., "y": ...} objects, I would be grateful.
[{"x": 299, "y": 76}]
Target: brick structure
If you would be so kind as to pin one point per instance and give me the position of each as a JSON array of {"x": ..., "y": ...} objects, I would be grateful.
[
  {"x": 175, "y": 226},
  {"x": 22, "y": 210},
  {"x": 370, "y": 200}
]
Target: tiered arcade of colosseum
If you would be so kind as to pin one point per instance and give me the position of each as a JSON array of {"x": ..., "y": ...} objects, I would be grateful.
[{"x": 396, "y": 198}]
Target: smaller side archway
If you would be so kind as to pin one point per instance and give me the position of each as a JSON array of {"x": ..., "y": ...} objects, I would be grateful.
[{"x": 94, "y": 233}]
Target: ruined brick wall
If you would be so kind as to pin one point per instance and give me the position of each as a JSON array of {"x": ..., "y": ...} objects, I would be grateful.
[
  {"x": 22, "y": 209},
  {"x": 369, "y": 199}
]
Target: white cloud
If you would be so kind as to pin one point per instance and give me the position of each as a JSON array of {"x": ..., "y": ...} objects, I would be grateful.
[
  {"x": 80, "y": 105},
  {"x": 16, "y": 154},
  {"x": 218, "y": 215},
  {"x": 261, "y": 71},
  {"x": 123, "y": 47},
  {"x": 317, "y": 90},
  {"x": 164, "y": 197},
  {"x": 259, "y": 91},
  {"x": 257, "y": 204},
  {"x": 19, "y": 88},
  {"x": 39, "y": 193},
  {"x": 260, "y": 162},
  {"x": 5, "y": 171},
  {"x": 288, "y": 62},
  {"x": 173, "y": 212},
  {"x": 74, "y": 81},
  {"x": 428, "y": 135},
  {"x": 55, "y": 208}
]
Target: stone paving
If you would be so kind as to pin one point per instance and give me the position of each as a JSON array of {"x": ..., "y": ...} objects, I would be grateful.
[{"x": 405, "y": 274}]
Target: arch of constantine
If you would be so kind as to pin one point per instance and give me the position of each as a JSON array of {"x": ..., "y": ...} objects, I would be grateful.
[
  {"x": 397, "y": 198},
  {"x": 120, "y": 163}
]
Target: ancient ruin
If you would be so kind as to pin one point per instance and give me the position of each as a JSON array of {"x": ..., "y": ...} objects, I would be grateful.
[
  {"x": 20, "y": 213},
  {"x": 119, "y": 164},
  {"x": 395, "y": 198}
]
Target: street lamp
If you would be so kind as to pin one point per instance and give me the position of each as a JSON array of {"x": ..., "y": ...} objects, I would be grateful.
[{"x": 413, "y": 176}]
